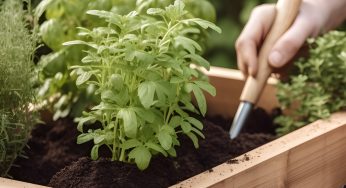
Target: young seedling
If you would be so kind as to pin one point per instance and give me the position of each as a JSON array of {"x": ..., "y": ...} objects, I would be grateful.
[{"x": 140, "y": 65}]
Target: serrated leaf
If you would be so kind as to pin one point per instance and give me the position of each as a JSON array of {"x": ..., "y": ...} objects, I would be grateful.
[{"x": 142, "y": 157}]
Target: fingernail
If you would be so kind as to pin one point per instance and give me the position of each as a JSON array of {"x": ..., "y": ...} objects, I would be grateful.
[{"x": 275, "y": 58}]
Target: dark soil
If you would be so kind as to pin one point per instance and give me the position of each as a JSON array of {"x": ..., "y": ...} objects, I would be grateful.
[{"x": 53, "y": 150}]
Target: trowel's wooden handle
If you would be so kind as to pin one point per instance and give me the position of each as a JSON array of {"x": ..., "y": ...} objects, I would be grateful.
[{"x": 286, "y": 12}]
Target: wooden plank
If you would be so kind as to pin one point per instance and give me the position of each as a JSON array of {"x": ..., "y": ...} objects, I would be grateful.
[
  {"x": 313, "y": 156},
  {"x": 229, "y": 84},
  {"x": 7, "y": 183}
]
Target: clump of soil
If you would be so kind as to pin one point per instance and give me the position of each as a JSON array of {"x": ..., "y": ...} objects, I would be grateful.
[
  {"x": 163, "y": 172},
  {"x": 51, "y": 147},
  {"x": 52, "y": 151}
]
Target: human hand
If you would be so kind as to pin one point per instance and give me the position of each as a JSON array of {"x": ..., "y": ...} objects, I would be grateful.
[{"x": 315, "y": 17}]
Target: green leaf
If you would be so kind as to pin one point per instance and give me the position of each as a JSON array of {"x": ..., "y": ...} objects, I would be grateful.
[
  {"x": 172, "y": 152},
  {"x": 156, "y": 147},
  {"x": 142, "y": 157},
  {"x": 202, "y": 104},
  {"x": 206, "y": 87},
  {"x": 84, "y": 137},
  {"x": 108, "y": 95},
  {"x": 146, "y": 92},
  {"x": 98, "y": 138},
  {"x": 186, "y": 127},
  {"x": 165, "y": 139},
  {"x": 204, "y": 24},
  {"x": 194, "y": 139},
  {"x": 132, "y": 143},
  {"x": 39, "y": 10},
  {"x": 155, "y": 11},
  {"x": 82, "y": 78},
  {"x": 130, "y": 121},
  {"x": 101, "y": 13},
  {"x": 195, "y": 122},
  {"x": 175, "y": 121},
  {"x": 145, "y": 114},
  {"x": 81, "y": 121},
  {"x": 188, "y": 44},
  {"x": 199, "y": 60},
  {"x": 198, "y": 132},
  {"x": 95, "y": 152}
]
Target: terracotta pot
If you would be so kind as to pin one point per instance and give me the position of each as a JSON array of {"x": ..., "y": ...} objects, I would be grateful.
[{"x": 313, "y": 156}]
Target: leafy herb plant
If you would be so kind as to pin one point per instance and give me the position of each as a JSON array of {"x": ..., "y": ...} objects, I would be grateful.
[
  {"x": 140, "y": 65},
  {"x": 319, "y": 88},
  {"x": 63, "y": 17},
  {"x": 17, "y": 45}
]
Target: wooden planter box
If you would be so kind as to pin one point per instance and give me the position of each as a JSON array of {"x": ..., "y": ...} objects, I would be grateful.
[{"x": 313, "y": 156}]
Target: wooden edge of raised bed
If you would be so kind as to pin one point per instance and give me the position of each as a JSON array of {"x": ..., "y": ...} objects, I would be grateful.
[
  {"x": 229, "y": 84},
  {"x": 313, "y": 156},
  {"x": 7, "y": 183}
]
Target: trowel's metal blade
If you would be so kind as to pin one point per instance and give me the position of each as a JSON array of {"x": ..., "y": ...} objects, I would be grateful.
[{"x": 240, "y": 118}]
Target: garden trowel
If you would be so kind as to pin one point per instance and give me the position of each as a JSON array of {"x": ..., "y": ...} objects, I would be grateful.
[{"x": 286, "y": 12}]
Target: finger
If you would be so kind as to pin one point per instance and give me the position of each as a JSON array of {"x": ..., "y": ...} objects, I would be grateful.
[
  {"x": 253, "y": 33},
  {"x": 289, "y": 44},
  {"x": 247, "y": 57}
]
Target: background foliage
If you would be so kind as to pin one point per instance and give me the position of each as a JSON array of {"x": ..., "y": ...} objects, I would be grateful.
[
  {"x": 17, "y": 45},
  {"x": 318, "y": 87}
]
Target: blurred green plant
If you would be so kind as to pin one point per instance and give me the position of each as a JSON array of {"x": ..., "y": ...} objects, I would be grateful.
[
  {"x": 319, "y": 87},
  {"x": 17, "y": 45},
  {"x": 63, "y": 17}
]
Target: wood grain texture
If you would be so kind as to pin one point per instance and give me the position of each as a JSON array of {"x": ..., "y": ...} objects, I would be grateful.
[
  {"x": 229, "y": 84},
  {"x": 7, "y": 183}
]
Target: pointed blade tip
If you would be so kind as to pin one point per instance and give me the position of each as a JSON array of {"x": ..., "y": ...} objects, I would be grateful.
[{"x": 242, "y": 114}]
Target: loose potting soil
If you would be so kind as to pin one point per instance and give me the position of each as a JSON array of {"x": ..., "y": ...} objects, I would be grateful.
[{"x": 54, "y": 158}]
